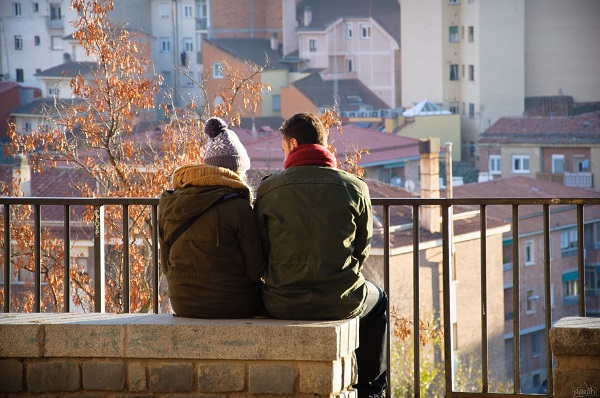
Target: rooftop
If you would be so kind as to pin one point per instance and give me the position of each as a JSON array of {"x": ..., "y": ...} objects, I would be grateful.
[{"x": 257, "y": 51}]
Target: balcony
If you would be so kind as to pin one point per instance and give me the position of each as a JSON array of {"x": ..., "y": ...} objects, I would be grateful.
[
  {"x": 579, "y": 180},
  {"x": 55, "y": 23},
  {"x": 106, "y": 344}
]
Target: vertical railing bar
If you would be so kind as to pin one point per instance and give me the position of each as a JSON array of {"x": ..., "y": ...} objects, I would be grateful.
[
  {"x": 386, "y": 287},
  {"x": 446, "y": 301},
  {"x": 67, "y": 259},
  {"x": 126, "y": 265},
  {"x": 547, "y": 298},
  {"x": 7, "y": 258},
  {"x": 155, "y": 256},
  {"x": 484, "y": 329},
  {"x": 516, "y": 295},
  {"x": 99, "y": 269},
  {"x": 580, "y": 261},
  {"x": 37, "y": 224},
  {"x": 416, "y": 303}
]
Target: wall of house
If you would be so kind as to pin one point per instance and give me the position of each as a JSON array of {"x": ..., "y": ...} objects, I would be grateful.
[
  {"x": 293, "y": 101},
  {"x": 467, "y": 287},
  {"x": 215, "y": 85},
  {"x": 534, "y": 160},
  {"x": 562, "y": 60},
  {"x": 276, "y": 78},
  {"x": 246, "y": 18},
  {"x": 446, "y": 127}
]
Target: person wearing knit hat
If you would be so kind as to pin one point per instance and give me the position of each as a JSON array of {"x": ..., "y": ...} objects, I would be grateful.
[
  {"x": 224, "y": 148},
  {"x": 210, "y": 245}
]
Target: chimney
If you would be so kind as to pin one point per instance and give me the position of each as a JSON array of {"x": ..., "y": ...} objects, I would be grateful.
[
  {"x": 307, "y": 15},
  {"x": 430, "y": 183},
  {"x": 274, "y": 43},
  {"x": 21, "y": 172}
]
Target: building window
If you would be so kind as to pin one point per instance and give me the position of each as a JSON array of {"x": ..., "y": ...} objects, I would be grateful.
[
  {"x": 535, "y": 346},
  {"x": 453, "y": 34},
  {"x": 217, "y": 70},
  {"x": 455, "y": 336},
  {"x": 558, "y": 164},
  {"x": 27, "y": 126},
  {"x": 471, "y": 72},
  {"x": 348, "y": 28},
  {"x": 188, "y": 11},
  {"x": 165, "y": 45},
  {"x": 18, "y": 42},
  {"x": 365, "y": 31},
  {"x": 17, "y": 9},
  {"x": 520, "y": 164},
  {"x": 568, "y": 239},
  {"x": 276, "y": 104},
  {"x": 188, "y": 44},
  {"x": 453, "y": 72},
  {"x": 471, "y": 34},
  {"x": 471, "y": 110},
  {"x": 569, "y": 281},
  {"x": 529, "y": 253},
  {"x": 53, "y": 91},
  {"x": 349, "y": 66},
  {"x": 36, "y": 7},
  {"x": 55, "y": 14},
  {"x": 581, "y": 164},
  {"x": 531, "y": 297},
  {"x": 36, "y": 40},
  {"x": 164, "y": 10},
  {"x": 20, "y": 77},
  {"x": 57, "y": 43},
  {"x": 453, "y": 107},
  {"x": 312, "y": 45},
  {"x": 495, "y": 164},
  {"x": 453, "y": 2}
]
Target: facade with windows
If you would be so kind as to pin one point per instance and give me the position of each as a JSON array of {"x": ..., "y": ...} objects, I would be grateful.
[
  {"x": 531, "y": 265},
  {"x": 563, "y": 149},
  {"x": 499, "y": 67}
]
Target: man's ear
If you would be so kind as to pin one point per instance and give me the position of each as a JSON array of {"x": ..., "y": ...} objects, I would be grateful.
[{"x": 293, "y": 143}]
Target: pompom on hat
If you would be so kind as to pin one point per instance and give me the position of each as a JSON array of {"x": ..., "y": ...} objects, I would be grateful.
[{"x": 224, "y": 148}]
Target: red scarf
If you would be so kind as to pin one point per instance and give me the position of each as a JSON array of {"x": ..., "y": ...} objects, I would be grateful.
[{"x": 310, "y": 155}]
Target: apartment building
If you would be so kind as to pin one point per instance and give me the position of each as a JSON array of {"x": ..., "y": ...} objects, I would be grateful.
[
  {"x": 563, "y": 149},
  {"x": 480, "y": 59}
]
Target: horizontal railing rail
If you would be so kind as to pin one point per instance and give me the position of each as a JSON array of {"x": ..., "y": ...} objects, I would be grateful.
[{"x": 386, "y": 205}]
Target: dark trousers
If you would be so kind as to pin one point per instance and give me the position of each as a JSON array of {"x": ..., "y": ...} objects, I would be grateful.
[{"x": 371, "y": 355}]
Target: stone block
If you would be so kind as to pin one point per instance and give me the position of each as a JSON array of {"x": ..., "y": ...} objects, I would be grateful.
[
  {"x": 171, "y": 377},
  {"x": 106, "y": 376},
  {"x": 11, "y": 375},
  {"x": 53, "y": 376},
  {"x": 349, "y": 370},
  {"x": 136, "y": 377},
  {"x": 20, "y": 340},
  {"x": 574, "y": 336},
  {"x": 177, "y": 337},
  {"x": 221, "y": 377},
  {"x": 271, "y": 379},
  {"x": 320, "y": 378}
]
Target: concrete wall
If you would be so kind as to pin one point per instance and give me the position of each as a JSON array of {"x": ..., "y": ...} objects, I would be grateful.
[{"x": 155, "y": 355}]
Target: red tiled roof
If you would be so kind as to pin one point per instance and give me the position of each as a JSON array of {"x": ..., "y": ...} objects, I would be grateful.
[{"x": 564, "y": 130}]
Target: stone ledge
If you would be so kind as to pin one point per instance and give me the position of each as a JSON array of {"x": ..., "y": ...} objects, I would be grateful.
[
  {"x": 573, "y": 336},
  {"x": 143, "y": 335},
  {"x": 153, "y": 355}
]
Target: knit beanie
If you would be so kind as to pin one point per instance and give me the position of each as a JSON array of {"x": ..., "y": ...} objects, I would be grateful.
[{"x": 224, "y": 148}]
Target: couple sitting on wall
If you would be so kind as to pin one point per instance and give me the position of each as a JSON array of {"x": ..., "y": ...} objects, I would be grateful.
[{"x": 307, "y": 234}]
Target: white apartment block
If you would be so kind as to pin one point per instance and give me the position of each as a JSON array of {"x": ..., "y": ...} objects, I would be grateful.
[
  {"x": 481, "y": 58},
  {"x": 37, "y": 36}
]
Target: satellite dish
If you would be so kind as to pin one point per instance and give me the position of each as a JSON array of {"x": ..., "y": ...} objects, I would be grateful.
[{"x": 409, "y": 185}]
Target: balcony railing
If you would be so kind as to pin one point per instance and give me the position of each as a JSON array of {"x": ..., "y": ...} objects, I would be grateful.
[
  {"x": 384, "y": 208},
  {"x": 580, "y": 180}
]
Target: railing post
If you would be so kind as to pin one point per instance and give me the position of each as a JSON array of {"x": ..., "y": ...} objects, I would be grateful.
[
  {"x": 580, "y": 261},
  {"x": 126, "y": 265},
  {"x": 516, "y": 297},
  {"x": 37, "y": 224},
  {"x": 67, "y": 260},
  {"x": 446, "y": 301},
  {"x": 7, "y": 258},
  {"x": 156, "y": 268},
  {"x": 99, "y": 270}
]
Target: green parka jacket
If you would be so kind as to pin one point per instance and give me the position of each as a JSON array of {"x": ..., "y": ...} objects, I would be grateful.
[
  {"x": 214, "y": 267},
  {"x": 316, "y": 227}
]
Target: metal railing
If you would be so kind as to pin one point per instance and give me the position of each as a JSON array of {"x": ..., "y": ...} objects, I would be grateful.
[{"x": 446, "y": 206}]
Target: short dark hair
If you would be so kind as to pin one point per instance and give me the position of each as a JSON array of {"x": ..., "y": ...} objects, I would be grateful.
[{"x": 306, "y": 128}]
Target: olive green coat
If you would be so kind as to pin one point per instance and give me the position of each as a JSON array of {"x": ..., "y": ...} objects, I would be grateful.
[
  {"x": 213, "y": 268},
  {"x": 316, "y": 226}
]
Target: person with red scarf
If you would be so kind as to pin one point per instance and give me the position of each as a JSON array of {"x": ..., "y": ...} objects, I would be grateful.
[{"x": 316, "y": 226}]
